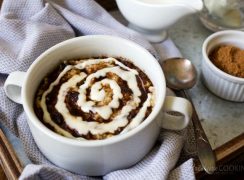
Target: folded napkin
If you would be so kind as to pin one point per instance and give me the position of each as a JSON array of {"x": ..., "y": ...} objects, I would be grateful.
[{"x": 30, "y": 27}]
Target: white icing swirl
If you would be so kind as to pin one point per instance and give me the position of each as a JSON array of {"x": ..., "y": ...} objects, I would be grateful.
[{"x": 97, "y": 94}]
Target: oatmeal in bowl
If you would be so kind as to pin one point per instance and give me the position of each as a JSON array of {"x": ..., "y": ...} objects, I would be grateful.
[{"x": 94, "y": 98}]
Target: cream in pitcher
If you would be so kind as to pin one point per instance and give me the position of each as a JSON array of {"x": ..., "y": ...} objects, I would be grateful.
[{"x": 152, "y": 17}]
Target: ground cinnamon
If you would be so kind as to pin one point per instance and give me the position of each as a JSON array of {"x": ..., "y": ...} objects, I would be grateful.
[{"x": 229, "y": 59}]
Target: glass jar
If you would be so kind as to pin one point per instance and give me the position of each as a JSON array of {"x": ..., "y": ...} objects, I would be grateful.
[{"x": 223, "y": 14}]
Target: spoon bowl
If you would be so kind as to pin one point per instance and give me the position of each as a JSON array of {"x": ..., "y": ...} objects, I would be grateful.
[{"x": 180, "y": 73}]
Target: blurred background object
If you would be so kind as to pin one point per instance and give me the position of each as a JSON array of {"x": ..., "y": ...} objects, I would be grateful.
[{"x": 223, "y": 14}]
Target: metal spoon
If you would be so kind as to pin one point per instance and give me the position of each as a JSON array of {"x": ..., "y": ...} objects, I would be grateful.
[{"x": 180, "y": 74}]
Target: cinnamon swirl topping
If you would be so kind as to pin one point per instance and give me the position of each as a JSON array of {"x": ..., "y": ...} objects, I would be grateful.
[{"x": 95, "y": 98}]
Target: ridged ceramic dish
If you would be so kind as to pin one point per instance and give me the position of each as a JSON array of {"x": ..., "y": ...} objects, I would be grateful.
[{"x": 220, "y": 83}]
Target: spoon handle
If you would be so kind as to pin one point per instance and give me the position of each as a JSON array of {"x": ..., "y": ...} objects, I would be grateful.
[{"x": 204, "y": 151}]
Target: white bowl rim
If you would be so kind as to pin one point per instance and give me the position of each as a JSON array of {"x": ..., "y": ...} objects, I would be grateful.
[
  {"x": 95, "y": 143},
  {"x": 209, "y": 62}
]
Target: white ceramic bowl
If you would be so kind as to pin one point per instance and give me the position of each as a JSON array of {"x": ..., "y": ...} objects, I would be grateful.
[
  {"x": 220, "y": 83},
  {"x": 96, "y": 157}
]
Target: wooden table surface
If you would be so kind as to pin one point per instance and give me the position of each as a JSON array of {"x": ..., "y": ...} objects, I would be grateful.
[{"x": 226, "y": 154}]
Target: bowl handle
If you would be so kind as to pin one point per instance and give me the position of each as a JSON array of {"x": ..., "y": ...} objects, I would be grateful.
[
  {"x": 177, "y": 113},
  {"x": 13, "y": 86}
]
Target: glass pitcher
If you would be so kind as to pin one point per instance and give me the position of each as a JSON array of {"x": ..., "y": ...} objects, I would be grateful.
[{"x": 223, "y": 14}]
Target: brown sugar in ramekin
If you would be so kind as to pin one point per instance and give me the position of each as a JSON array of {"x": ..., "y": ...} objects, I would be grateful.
[{"x": 229, "y": 59}]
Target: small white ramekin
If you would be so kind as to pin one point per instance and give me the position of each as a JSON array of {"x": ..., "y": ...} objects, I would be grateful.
[{"x": 220, "y": 83}]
